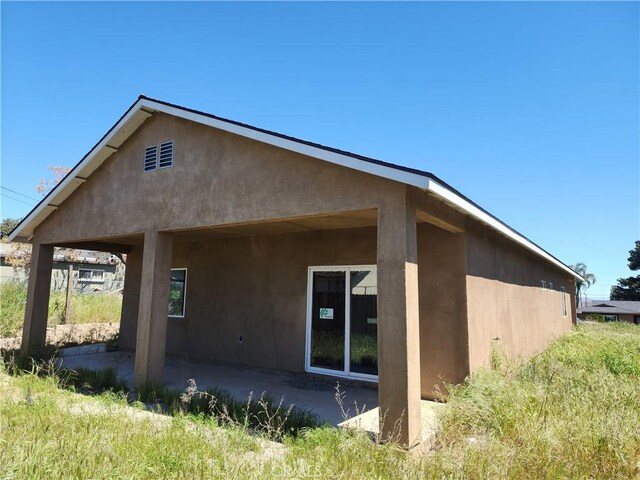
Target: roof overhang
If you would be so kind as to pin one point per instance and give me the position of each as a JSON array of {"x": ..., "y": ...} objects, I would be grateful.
[{"x": 145, "y": 107}]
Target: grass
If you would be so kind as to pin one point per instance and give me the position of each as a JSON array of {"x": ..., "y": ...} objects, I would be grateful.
[
  {"x": 260, "y": 415},
  {"x": 328, "y": 349},
  {"x": 86, "y": 308},
  {"x": 263, "y": 416},
  {"x": 571, "y": 412}
]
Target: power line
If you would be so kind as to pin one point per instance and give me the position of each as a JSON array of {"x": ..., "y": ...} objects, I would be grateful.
[
  {"x": 18, "y": 193},
  {"x": 16, "y": 199}
]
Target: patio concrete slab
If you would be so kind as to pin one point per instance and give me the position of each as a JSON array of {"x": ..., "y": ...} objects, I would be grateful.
[
  {"x": 310, "y": 392},
  {"x": 368, "y": 421}
]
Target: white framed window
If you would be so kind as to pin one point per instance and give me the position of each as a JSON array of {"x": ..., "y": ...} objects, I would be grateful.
[
  {"x": 543, "y": 284},
  {"x": 610, "y": 318},
  {"x": 550, "y": 285},
  {"x": 90, "y": 275},
  {"x": 177, "y": 292},
  {"x": 564, "y": 301}
]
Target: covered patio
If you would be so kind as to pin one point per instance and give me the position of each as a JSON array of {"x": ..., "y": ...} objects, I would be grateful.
[{"x": 316, "y": 394}]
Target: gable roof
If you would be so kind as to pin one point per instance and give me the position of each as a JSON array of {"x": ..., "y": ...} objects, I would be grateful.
[
  {"x": 144, "y": 107},
  {"x": 613, "y": 306}
]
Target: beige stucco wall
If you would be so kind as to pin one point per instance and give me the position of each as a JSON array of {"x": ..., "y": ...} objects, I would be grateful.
[
  {"x": 444, "y": 351},
  {"x": 507, "y": 308},
  {"x": 217, "y": 178},
  {"x": 256, "y": 288}
]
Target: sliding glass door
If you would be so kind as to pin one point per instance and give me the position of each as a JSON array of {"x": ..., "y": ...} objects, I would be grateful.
[{"x": 342, "y": 321}]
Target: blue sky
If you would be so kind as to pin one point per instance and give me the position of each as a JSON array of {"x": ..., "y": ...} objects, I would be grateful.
[{"x": 530, "y": 109}]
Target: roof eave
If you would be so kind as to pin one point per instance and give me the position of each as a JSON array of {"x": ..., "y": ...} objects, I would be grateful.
[{"x": 144, "y": 107}]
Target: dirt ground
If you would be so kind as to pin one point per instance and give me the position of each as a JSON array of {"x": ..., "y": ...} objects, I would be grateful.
[{"x": 70, "y": 334}]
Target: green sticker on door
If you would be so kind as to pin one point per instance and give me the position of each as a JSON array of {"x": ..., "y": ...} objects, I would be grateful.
[{"x": 326, "y": 314}]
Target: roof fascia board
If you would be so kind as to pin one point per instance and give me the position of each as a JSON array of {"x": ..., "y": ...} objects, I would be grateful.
[{"x": 478, "y": 214}]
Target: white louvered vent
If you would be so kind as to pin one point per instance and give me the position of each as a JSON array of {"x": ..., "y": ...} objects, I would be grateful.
[
  {"x": 151, "y": 158},
  {"x": 166, "y": 154}
]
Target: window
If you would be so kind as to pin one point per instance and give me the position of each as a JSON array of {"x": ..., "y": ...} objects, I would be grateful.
[
  {"x": 158, "y": 157},
  {"x": 610, "y": 318},
  {"x": 564, "y": 301},
  {"x": 90, "y": 275},
  {"x": 550, "y": 285},
  {"x": 151, "y": 158},
  {"x": 543, "y": 284},
  {"x": 177, "y": 292}
]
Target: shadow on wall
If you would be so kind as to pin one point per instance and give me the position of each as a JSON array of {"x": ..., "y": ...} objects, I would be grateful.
[{"x": 491, "y": 256}]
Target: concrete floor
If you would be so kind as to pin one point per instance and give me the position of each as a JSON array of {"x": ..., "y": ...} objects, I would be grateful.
[{"x": 311, "y": 392}]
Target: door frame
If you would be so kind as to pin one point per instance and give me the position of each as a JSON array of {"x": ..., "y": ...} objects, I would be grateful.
[{"x": 345, "y": 373}]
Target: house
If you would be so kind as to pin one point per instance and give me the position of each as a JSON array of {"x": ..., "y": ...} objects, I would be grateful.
[
  {"x": 92, "y": 271},
  {"x": 290, "y": 255},
  {"x": 613, "y": 311}
]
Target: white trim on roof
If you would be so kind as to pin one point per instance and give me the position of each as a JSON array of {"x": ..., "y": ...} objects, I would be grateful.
[
  {"x": 144, "y": 108},
  {"x": 475, "y": 212},
  {"x": 291, "y": 145}
]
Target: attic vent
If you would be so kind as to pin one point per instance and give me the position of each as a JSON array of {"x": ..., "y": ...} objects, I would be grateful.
[
  {"x": 166, "y": 154},
  {"x": 150, "y": 158}
]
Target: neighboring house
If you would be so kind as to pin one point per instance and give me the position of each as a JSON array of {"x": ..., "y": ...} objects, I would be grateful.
[
  {"x": 92, "y": 271},
  {"x": 613, "y": 310},
  {"x": 289, "y": 255}
]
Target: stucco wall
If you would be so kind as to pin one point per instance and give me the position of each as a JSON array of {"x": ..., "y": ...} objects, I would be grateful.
[
  {"x": 256, "y": 288},
  {"x": 444, "y": 351},
  {"x": 217, "y": 178},
  {"x": 507, "y": 307}
]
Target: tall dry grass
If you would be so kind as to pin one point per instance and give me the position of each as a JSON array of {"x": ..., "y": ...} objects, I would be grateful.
[{"x": 85, "y": 308}]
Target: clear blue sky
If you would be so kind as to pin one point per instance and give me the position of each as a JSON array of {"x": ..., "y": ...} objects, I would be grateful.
[{"x": 530, "y": 109}]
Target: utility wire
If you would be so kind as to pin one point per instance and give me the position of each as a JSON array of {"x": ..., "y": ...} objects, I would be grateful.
[
  {"x": 16, "y": 199},
  {"x": 18, "y": 193}
]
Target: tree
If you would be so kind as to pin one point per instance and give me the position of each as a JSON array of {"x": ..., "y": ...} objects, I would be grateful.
[
  {"x": 589, "y": 279},
  {"x": 47, "y": 184},
  {"x": 634, "y": 257},
  {"x": 7, "y": 225},
  {"x": 629, "y": 288}
]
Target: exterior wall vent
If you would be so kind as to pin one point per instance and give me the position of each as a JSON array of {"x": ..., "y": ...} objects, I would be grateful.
[
  {"x": 166, "y": 154},
  {"x": 151, "y": 158}
]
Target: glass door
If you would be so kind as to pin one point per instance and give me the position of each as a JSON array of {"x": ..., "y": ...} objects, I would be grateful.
[
  {"x": 328, "y": 320},
  {"x": 363, "y": 331},
  {"x": 342, "y": 321}
]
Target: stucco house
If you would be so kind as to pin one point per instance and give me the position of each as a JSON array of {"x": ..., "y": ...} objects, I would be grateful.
[{"x": 290, "y": 255}]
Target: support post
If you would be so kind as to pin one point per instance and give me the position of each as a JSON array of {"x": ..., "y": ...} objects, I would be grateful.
[
  {"x": 151, "y": 336},
  {"x": 399, "y": 392},
  {"x": 67, "y": 304},
  {"x": 34, "y": 330}
]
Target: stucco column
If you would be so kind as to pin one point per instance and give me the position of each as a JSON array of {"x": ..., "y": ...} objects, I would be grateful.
[
  {"x": 151, "y": 336},
  {"x": 34, "y": 330},
  {"x": 398, "y": 323}
]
